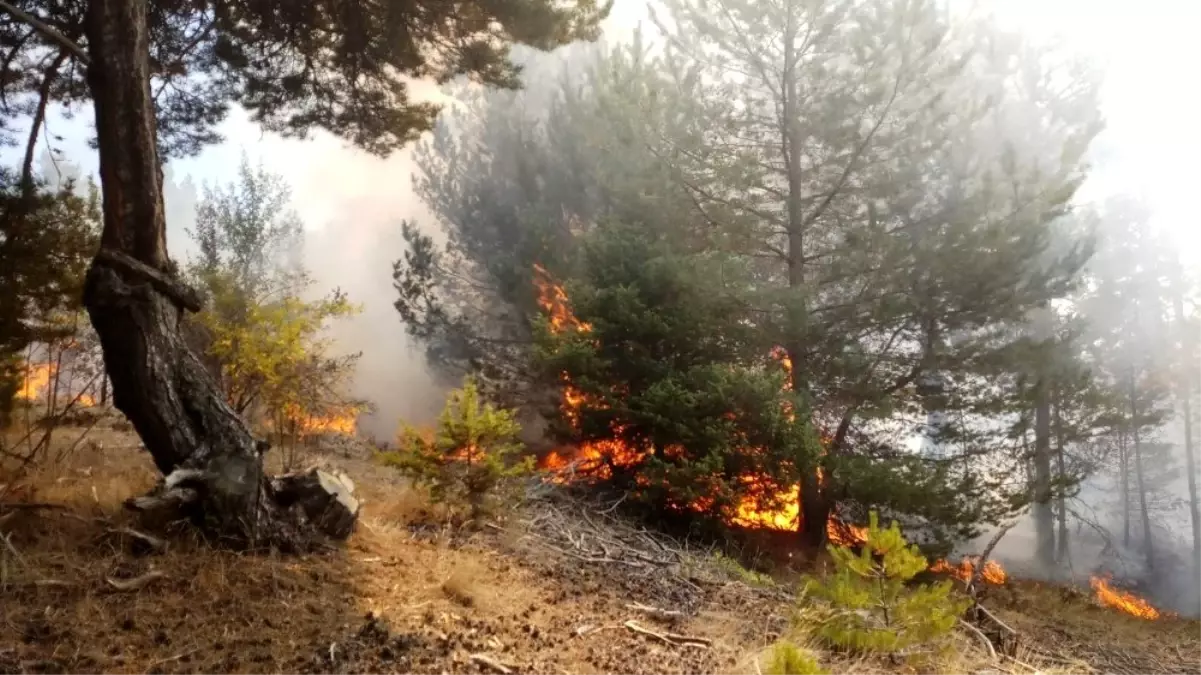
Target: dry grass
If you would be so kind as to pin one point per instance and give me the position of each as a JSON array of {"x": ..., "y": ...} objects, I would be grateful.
[{"x": 442, "y": 595}]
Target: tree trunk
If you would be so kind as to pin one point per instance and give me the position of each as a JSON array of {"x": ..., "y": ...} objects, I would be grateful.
[
  {"x": 1061, "y": 549},
  {"x": 1190, "y": 459},
  {"x": 211, "y": 463},
  {"x": 1124, "y": 478},
  {"x": 1148, "y": 545},
  {"x": 814, "y": 508},
  {"x": 1044, "y": 519}
]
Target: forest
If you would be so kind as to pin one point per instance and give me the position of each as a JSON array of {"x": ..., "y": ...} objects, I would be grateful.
[{"x": 791, "y": 329}]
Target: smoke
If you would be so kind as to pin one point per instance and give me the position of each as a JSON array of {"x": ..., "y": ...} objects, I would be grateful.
[{"x": 351, "y": 205}]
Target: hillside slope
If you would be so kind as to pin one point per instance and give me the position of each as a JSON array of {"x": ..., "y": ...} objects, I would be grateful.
[{"x": 557, "y": 586}]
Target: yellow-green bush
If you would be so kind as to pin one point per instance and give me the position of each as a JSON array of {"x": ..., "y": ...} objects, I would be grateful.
[{"x": 787, "y": 658}]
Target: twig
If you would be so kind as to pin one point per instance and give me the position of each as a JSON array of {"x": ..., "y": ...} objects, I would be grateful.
[
  {"x": 177, "y": 657},
  {"x": 12, "y": 549},
  {"x": 669, "y": 638},
  {"x": 658, "y": 613},
  {"x": 492, "y": 663},
  {"x": 47, "y": 31},
  {"x": 18, "y": 506},
  {"x": 136, "y": 583},
  {"x": 992, "y": 653},
  {"x": 153, "y": 542}
]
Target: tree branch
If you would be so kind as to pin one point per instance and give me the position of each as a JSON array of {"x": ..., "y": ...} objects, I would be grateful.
[{"x": 48, "y": 31}]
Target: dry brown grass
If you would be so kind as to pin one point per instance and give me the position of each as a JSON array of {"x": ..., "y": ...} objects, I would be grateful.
[{"x": 443, "y": 594}]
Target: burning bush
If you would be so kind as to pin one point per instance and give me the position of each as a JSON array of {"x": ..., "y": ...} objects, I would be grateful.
[
  {"x": 875, "y": 611},
  {"x": 473, "y": 450}
]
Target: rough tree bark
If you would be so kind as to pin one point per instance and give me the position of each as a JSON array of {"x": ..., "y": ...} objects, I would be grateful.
[{"x": 211, "y": 462}]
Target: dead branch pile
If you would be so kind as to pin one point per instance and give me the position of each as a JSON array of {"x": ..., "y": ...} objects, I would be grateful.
[{"x": 577, "y": 531}]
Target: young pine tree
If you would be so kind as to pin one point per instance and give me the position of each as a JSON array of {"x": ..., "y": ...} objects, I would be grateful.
[
  {"x": 876, "y": 610},
  {"x": 473, "y": 450}
]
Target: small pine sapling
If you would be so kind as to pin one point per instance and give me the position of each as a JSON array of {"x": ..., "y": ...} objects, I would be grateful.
[
  {"x": 875, "y": 610},
  {"x": 473, "y": 450}
]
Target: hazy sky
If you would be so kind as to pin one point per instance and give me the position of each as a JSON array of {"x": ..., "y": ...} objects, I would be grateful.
[
  {"x": 352, "y": 203},
  {"x": 1152, "y": 102}
]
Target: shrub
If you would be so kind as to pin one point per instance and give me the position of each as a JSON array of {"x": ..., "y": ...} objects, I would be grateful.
[
  {"x": 473, "y": 450},
  {"x": 787, "y": 658},
  {"x": 874, "y": 610}
]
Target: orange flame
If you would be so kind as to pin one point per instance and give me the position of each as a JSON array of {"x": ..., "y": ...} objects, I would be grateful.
[
  {"x": 1123, "y": 600},
  {"x": 37, "y": 378},
  {"x": 992, "y": 573},
  {"x": 339, "y": 421},
  {"x": 596, "y": 459}
]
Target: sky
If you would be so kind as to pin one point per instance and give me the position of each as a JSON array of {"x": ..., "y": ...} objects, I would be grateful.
[{"x": 352, "y": 203}]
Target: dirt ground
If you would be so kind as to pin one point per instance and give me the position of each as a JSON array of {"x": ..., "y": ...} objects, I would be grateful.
[{"x": 556, "y": 586}]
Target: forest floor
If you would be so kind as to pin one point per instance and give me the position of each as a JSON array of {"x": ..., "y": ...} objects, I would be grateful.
[{"x": 556, "y": 586}]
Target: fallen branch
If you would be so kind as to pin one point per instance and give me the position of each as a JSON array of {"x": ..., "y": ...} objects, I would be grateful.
[
  {"x": 669, "y": 638},
  {"x": 492, "y": 663},
  {"x": 136, "y": 583},
  {"x": 992, "y": 653},
  {"x": 658, "y": 613},
  {"x": 29, "y": 506},
  {"x": 154, "y": 543}
]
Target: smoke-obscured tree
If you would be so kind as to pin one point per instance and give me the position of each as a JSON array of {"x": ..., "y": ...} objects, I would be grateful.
[
  {"x": 160, "y": 75},
  {"x": 1186, "y": 329},
  {"x": 513, "y": 177},
  {"x": 880, "y": 164},
  {"x": 1127, "y": 307},
  {"x": 47, "y": 237}
]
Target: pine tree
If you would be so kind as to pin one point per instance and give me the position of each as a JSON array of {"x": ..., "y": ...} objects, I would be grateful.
[
  {"x": 474, "y": 449},
  {"x": 47, "y": 237},
  {"x": 875, "y": 609},
  {"x": 829, "y": 175}
]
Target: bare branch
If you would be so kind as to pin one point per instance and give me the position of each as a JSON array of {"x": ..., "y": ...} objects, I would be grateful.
[{"x": 47, "y": 30}]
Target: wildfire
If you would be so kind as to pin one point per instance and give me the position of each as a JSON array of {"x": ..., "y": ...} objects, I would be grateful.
[
  {"x": 758, "y": 508},
  {"x": 1123, "y": 600},
  {"x": 339, "y": 421},
  {"x": 37, "y": 378},
  {"x": 596, "y": 459},
  {"x": 992, "y": 573}
]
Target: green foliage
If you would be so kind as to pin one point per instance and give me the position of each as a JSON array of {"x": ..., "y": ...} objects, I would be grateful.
[
  {"x": 668, "y": 368},
  {"x": 47, "y": 238},
  {"x": 263, "y": 341},
  {"x": 875, "y": 608},
  {"x": 474, "y": 449},
  {"x": 344, "y": 68},
  {"x": 787, "y": 658}
]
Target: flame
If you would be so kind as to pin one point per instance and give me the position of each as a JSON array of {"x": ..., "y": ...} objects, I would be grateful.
[
  {"x": 37, "y": 378},
  {"x": 339, "y": 421},
  {"x": 1123, "y": 600},
  {"x": 992, "y": 573},
  {"x": 757, "y": 508}
]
